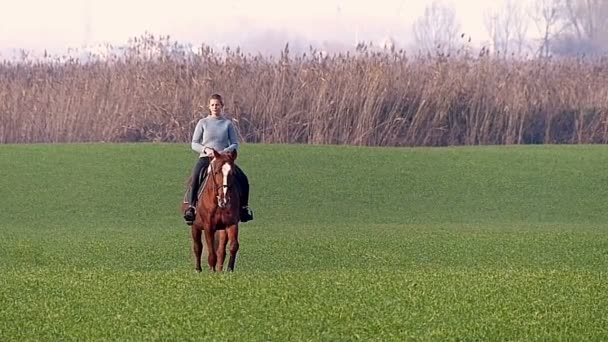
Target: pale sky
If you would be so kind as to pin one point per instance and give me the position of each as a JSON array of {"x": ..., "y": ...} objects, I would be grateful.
[{"x": 62, "y": 24}]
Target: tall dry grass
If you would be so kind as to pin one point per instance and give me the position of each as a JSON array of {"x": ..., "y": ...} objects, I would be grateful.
[{"x": 364, "y": 98}]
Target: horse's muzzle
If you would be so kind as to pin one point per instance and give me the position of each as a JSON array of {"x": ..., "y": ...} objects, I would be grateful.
[{"x": 222, "y": 202}]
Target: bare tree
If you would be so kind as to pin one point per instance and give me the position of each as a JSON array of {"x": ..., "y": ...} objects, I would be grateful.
[
  {"x": 589, "y": 18},
  {"x": 438, "y": 29},
  {"x": 547, "y": 16},
  {"x": 508, "y": 28},
  {"x": 587, "y": 28}
]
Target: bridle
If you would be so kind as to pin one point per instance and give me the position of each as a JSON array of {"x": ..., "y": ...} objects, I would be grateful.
[{"x": 221, "y": 202}]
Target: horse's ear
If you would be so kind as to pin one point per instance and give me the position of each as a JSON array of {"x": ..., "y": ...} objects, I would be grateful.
[
  {"x": 233, "y": 155},
  {"x": 215, "y": 154}
]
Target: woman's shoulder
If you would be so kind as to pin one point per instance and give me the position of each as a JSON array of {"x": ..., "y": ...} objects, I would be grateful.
[
  {"x": 228, "y": 118},
  {"x": 204, "y": 120},
  {"x": 225, "y": 119}
]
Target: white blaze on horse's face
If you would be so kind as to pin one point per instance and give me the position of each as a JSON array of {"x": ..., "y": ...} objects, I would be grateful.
[
  {"x": 223, "y": 199},
  {"x": 225, "y": 170}
]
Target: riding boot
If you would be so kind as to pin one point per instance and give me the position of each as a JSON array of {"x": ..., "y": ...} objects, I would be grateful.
[
  {"x": 245, "y": 213},
  {"x": 190, "y": 213}
]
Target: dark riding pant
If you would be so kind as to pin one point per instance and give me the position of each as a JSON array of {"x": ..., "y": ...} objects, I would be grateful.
[
  {"x": 243, "y": 182},
  {"x": 201, "y": 164}
]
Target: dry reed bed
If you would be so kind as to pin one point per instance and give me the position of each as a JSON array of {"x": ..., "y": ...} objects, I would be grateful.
[{"x": 365, "y": 98}]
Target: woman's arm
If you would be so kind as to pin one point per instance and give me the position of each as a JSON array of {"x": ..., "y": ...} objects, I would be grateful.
[
  {"x": 197, "y": 136},
  {"x": 232, "y": 138}
]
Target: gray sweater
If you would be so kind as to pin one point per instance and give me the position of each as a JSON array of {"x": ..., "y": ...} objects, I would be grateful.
[{"x": 214, "y": 132}]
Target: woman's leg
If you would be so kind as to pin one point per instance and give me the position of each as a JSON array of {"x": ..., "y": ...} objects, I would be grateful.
[
  {"x": 244, "y": 189},
  {"x": 201, "y": 165},
  {"x": 243, "y": 186}
]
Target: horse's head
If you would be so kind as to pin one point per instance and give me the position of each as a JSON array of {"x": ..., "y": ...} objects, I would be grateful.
[{"x": 221, "y": 174}]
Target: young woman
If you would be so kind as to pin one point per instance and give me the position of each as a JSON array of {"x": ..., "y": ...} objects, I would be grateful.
[{"x": 215, "y": 132}]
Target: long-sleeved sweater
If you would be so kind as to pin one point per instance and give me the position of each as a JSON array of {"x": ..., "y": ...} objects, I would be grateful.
[{"x": 214, "y": 132}]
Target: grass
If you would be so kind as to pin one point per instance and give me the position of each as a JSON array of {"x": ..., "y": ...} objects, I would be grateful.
[{"x": 480, "y": 243}]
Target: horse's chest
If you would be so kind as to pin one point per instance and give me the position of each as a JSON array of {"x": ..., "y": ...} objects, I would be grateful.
[{"x": 223, "y": 218}]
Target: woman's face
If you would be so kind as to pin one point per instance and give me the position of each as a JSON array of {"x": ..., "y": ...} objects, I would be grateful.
[{"x": 215, "y": 107}]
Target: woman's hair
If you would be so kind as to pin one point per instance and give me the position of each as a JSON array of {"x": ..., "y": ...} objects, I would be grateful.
[{"x": 217, "y": 97}]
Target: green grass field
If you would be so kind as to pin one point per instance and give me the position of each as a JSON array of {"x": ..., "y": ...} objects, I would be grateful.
[{"x": 348, "y": 243}]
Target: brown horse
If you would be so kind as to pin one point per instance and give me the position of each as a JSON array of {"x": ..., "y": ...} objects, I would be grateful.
[{"x": 217, "y": 214}]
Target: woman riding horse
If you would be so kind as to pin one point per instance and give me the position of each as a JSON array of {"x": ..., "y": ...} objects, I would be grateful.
[{"x": 215, "y": 132}]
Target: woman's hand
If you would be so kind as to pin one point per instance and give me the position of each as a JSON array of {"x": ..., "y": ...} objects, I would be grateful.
[{"x": 208, "y": 152}]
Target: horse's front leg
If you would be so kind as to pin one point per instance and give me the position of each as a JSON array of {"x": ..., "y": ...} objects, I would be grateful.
[
  {"x": 233, "y": 239},
  {"x": 221, "y": 250},
  {"x": 197, "y": 246},
  {"x": 211, "y": 258}
]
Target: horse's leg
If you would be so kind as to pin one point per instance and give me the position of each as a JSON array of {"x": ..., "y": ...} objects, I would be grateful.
[
  {"x": 221, "y": 249},
  {"x": 233, "y": 238},
  {"x": 211, "y": 258},
  {"x": 197, "y": 246}
]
